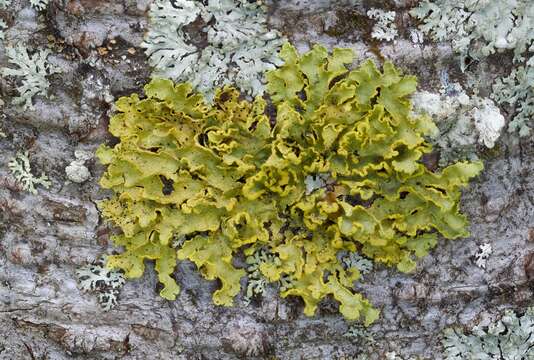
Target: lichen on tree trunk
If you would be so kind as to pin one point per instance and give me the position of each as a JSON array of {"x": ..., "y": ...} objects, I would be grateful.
[{"x": 45, "y": 237}]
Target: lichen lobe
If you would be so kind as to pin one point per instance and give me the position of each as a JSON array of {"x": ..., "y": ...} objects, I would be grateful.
[{"x": 242, "y": 184}]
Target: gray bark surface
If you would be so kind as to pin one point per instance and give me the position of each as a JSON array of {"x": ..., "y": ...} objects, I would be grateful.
[{"x": 45, "y": 237}]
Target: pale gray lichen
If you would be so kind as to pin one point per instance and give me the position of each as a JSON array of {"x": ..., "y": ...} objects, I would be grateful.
[
  {"x": 317, "y": 181},
  {"x": 416, "y": 36},
  {"x": 482, "y": 255},
  {"x": 255, "y": 287},
  {"x": 488, "y": 121},
  {"x": 390, "y": 355},
  {"x": 286, "y": 283},
  {"x": 360, "y": 334},
  {"x": 222, "y": 42},
  {"x": 477, "y": 28},
  {"x": 21, "y": 170},
  {"x": 3, "y": 26},
  {"x": 106, "y": 283},
  {"x": 518, "y": 90},
  {"x": 384, "y": 28},
  {"x": 2, "y": 117},
  {"x": 4, "y": 3},
  {"x": 39, "y": 4},
  {"x": 32, "y": 73},
  {"x": 356, "y": 261},
  {"x": 76, "y": 171},
  {"x": 256, "y": 281},
  {"x": 463, "y": 121},
  {"x": 510, "y": 338}
]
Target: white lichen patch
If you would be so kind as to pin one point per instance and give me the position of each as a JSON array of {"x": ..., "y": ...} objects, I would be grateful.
[
  {"x": 511, "y": 337},
  {"x": 416, "y": 36},
  {"x": 476, "y": 29},
  {"x": 31, "y": 73},
  {"x": 106, "y": 283},
  {"x": 463, "y": 120},
  {"x": 222, "y": 42},
  {"x": 76, "y": 171},
  {"x": 384, "y": 28},
  {"x": 439, "y": 105},
  {"x": 483, "y": 254},
  {"x": 21, "y": 170},
  {"x": 488, "y": 122},
  {"x": 39, "y": 5},
  {"x": 4, "y": 3}
]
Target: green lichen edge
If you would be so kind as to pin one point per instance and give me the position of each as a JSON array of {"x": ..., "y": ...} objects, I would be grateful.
[{"x": 229, "y": 180}]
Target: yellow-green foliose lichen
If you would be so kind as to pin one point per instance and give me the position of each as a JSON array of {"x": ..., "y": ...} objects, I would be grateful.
[{"x": 230, "y": 179}]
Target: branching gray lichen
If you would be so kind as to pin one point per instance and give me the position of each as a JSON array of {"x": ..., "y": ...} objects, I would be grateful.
[
  {"x": 477, "y": 29},
  {"x": 256, "y": 280},
  {"x": 384, "y": 28},
  {"x": 4, "y": 3},
  {"x": 21, "y": 170},
  {"x": 361, "y": 334},
  {"x": 32, "y": 71},
  {"x": 510, "y": 338},
  {"x": 2, "y": 117},
  {"x": 39, "y": 5},
  {"x": 518, "y": 90},
  {"x": 106, "y": 283},
  {"x": 354, "y": 260},
  {"x": 234, "y": 46}
]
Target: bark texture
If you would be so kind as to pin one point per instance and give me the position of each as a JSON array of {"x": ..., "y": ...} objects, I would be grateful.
[{"x": 45, "y": 237}]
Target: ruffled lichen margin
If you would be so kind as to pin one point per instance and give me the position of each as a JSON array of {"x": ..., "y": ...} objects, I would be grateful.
[{"x": 230, "y": 179}]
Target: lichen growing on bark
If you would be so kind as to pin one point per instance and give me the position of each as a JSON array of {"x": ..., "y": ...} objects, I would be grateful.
[
  {"x": 229, "y": 180},
  {"x": 234, "y": 43},
  {"x": 511, "y": 337}
]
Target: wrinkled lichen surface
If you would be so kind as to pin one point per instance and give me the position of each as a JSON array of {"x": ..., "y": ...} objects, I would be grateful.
[
  {"x": 228, "y": 182},
  {"x": 45, "y": 238}
]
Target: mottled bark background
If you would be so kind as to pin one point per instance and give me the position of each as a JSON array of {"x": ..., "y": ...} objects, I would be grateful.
[{"x": 45, "y": 237}]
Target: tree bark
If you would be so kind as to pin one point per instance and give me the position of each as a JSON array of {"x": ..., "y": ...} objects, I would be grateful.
[{"x": 45, "y": 237}]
